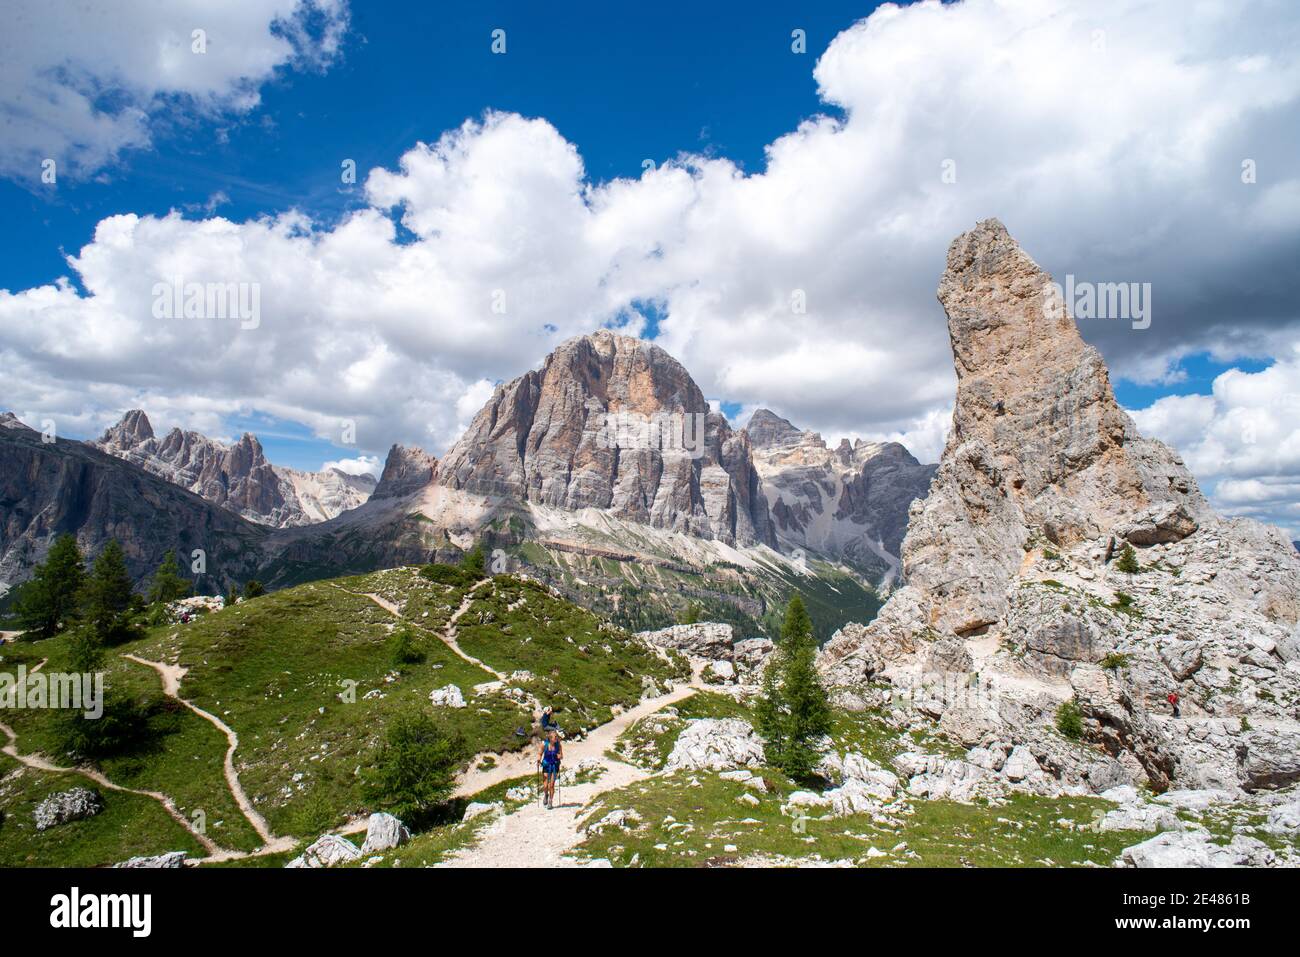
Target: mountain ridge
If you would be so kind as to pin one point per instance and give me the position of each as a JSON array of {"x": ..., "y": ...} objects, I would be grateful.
[
  {"x": 237, "y": 476},
  {"x": 850, "y": 502}
]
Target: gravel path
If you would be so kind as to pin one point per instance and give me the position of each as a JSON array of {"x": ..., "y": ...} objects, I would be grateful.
[
  {"x": 535, "y": 836},
  {"x": 171, "y": 679}
]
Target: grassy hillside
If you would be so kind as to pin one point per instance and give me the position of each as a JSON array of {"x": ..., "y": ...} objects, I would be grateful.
[
  {"x": 643, "y": 595},
  {"x": 306, "y": 678}
]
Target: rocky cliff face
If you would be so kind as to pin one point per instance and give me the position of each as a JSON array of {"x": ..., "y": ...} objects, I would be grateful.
[
  {"x": 65, "y": 486},
  {"x": 406, "y": 470},
  {"x": 1012, "y": 580},
  {"x": 850, "y": 502},
  {"x": 616, "y": 424},
  {"x": 237, "y": 477}
]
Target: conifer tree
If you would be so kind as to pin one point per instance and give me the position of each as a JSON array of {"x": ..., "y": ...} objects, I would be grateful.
[
  {"x": 48, "y": 602},
  {"x": 106, "y": 597},
  {"x": 794, "y": 710},
  {"x": 168, "y": 585},
  {"x": 1128, "y": 561}
]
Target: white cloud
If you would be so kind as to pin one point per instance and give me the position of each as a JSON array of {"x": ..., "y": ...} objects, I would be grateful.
[
  {"x": 82, "y": 82},
  {"x": 1242, "y": 441},
  {"x": 361, "y": 465},
  {"x": 809, "y": 287}
]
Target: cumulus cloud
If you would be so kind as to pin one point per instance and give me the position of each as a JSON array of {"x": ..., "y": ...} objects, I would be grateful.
[
  {"x": 82, "y": 82},
  {"x": 1110, "y": 137},
  {"x": 361, "y": 465},
  {"x": 1242, "y": 441}
]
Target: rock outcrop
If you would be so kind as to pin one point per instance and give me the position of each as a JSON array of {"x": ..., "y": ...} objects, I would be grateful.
[
  {"x": 614, "y": 423},
  {"x": 169, "y": 861},
  {"x": 51, "y": 487},
  {"x": 383, "y": 833},
  {"x": 1014, "y": 607},
  {"x": 1197, "y": 849},
  {"x": 406, "y": 470},
  {"x": 716, "y": 744},
  {"x": 237, "y": 477},
  {"x": 63, "y": 807},
  {"x": 848, "y": 503},
  {"x": 328, "y": 851},
  {"x": 728, "y": 660}
]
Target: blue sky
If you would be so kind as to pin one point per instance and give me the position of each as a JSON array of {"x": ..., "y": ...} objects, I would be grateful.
[
  {"x": 1108, "y": 136},
  {"x": 656, "y": 80}
]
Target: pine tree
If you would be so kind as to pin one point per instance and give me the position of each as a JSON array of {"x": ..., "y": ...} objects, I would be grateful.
[
  {"x": 106, "y": 597},
  {"x": 48, "y": 602},
  {"x": 168, "y": 585},
  {"x": 1128, "y": 561},
  {"x": 232, "y": 596},
  {"x": 414, "y": 771},
  {"x": 253, "y": 589},
  {"x": 85, "y": 653},
  {"x": 794, "y": 710},
  {"x": 475, "y": 563}
]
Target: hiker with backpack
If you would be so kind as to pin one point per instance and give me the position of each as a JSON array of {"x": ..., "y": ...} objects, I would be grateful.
[
  {"x": 549, "y": 723},
  {"x": 548, "y": 760},
  {"x": 1173, "y": 703}
]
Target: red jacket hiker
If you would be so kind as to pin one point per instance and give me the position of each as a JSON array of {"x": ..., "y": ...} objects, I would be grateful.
[{"x": 1173, "y": 702}]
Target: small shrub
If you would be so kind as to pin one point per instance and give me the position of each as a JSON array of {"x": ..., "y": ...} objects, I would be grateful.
[
  {"x": 402, "y": 649},
  {"x": 1069, "y": 720},
  {"x": 253, "y": 589},
  {"x": 474, "y": 564},
  {"x": 85, "y": 652},
  {"x": 445, "y": 574},
  {"x": 1115, "y": 660},
  {"x": 414, "y": 770},
  {"x": 1123, "y": 601},
  {"x": 313, "y": 814},
  {"x": 1128, "y": 561},
  {"x": 124, "y": 728}
]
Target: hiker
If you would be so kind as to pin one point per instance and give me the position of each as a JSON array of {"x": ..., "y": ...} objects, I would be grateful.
[
  {"x": 548, "y": 760},
  {"x": 549, "y": 723},
  {"x": 1173, "y": 703}
]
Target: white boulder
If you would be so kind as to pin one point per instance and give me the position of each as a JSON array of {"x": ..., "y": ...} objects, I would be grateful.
[
  {"x": 715, "y": 744},
  {"x": 448, "y": 696},
  {"x": 1140, "y": 817},
  {"x": 171, "y": 859},
  {"x": 1284, "y": 819},
  {"x": 1196, "y": 849},
  {"x": 329, "y": 850},
  {"x": 720, "y": 672},
  {"x": 383, "y": 833}
]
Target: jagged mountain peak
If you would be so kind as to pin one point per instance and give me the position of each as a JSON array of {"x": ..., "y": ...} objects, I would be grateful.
[
  {"x": 407, "y": 469},
  {"x": 1010, "y": 568},
  {"x": 767, "y": 429},
  {"x": 133, "y": 428},
  {"x": 848, "y": 502},
  {"x": 614, "y": 423},
  {"x": 237, "y": 477}
]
